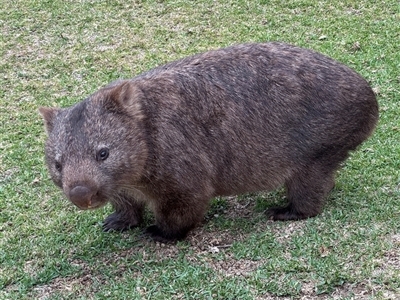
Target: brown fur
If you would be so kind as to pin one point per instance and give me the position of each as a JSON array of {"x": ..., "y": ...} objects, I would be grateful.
[{"x": 242, "y": 119}]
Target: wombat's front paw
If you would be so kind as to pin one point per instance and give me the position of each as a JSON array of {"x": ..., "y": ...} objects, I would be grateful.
[
  {"x": 120, "y": 222},
  {"x": 158, "y": 235},
  {"x": 284, "y": 214}
]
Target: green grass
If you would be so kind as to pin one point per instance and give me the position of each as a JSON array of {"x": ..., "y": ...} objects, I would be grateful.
[{"x": 55, "y": 53}]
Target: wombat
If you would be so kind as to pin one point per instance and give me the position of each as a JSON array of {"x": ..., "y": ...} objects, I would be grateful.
[{"x": 246, "y": 118}]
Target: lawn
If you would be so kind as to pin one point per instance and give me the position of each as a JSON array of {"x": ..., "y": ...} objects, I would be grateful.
[{"x": 56, "y": 53}]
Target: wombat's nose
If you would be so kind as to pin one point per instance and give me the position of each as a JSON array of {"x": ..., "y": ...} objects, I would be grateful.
[{"x": 81, "y": 196}]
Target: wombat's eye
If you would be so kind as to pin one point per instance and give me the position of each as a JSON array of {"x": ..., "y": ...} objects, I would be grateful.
[
  {"x": 58, "y": 166},
  {"x": 102, "y": 154}
]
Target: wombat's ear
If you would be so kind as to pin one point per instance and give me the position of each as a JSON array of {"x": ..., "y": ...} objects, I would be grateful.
[
  {"x": 48, "y": 114},
  {"x": 125, "y": 94}
]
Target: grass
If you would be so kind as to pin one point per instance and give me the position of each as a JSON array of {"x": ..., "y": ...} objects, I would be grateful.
[{"x": 55, "y": 53}]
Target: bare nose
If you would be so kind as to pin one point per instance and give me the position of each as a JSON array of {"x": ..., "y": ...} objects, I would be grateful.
[{"x": 81, "y": 196}]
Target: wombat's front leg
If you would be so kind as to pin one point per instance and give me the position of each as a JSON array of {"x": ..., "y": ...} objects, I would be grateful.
[
  {"x": 128, "y": 214},
  {"x": 174, "y": 219},
  {"x": 166, "y": 234}
]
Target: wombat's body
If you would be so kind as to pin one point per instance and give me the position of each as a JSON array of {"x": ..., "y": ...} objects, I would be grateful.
[{"x": 241, "y": 119}]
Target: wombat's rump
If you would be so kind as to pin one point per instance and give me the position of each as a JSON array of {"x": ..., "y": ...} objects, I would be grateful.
[{"x": 245, "y": 118}]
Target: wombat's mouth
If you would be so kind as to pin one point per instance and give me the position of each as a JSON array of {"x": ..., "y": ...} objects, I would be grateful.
[
  {"x": 95, "y": 204},
  {"x": 92, "y": 203},
  {"x": 89, "y": 204}
]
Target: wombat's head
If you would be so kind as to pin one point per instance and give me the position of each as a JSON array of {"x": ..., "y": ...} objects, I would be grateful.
[{"x": 97, "y": 147}]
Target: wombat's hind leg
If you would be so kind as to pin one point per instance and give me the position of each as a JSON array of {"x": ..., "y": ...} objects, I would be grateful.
[
  {"x": 127, "y": 215},
  {"x": 306, "y": 192}
]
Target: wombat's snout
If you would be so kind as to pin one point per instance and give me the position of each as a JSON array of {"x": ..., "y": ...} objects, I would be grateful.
[{"x": 82, "y": 196}]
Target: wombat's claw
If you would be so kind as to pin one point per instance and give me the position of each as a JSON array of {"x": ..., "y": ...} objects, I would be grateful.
[
  {"x": 157, "y": 235},
  {"x": 114, "y": 227},
  {"x": 283, "y": 214},
  {"x": 114, "y": 223}
]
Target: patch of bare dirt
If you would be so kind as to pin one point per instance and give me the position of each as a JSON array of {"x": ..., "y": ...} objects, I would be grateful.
[
  {"x": 285, "y": 233},
  {"x": 239, "y": 209},
  {"x": 231, "y": 267},
  {"x": 69, "y": 284},
  {"x": 388, "y": 265},
  {"x": 205, "y": 243}
]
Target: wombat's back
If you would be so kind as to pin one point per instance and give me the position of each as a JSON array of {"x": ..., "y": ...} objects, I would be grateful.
[{"x": 248, "y": 117}]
